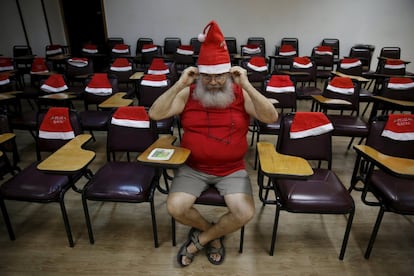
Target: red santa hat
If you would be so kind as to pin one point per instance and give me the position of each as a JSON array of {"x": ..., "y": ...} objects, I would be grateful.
[
  {"x": 131, "y": 116},
  {"x": 324, "y": 50},
  {"x": 90, "y": 49},
  {"x": 158, "y": 67},
  {"x": 54, "y": 83},
  {"x": 399, "y": 127},
  {"x": 56, "y": 124},
  {"x": 39, "y": 66},
  {"x": 302, "y": 62},
  {"x": 120, "y": 49},
  {"x": 309, "y": 124},
  {"x": 400, "y": 83},
  {"x": 6, "y": 64},
  {"x": 78, "y": 62},
  {"x": 4, "y": 79},
  {"x": 251, "y": 49},
  {"x": 257, "y": 63},
  {"x": 187, "y": 50},
  {"x": 121, "y": 64},
  {"x": 347, "y": 63},
  {"x": 214, "y": 56},
  {"x": 394, "y": 64},
  {"x": 280, "y": 84},
  {"x": 99, "y": 84},
  {"x": 147, "y": 48},
  {"x": 53, "y": 49},
  {"x": 342, "y": 85},
  {"x": 287, "y": 50},
  {"x": 154, "y": 80}
]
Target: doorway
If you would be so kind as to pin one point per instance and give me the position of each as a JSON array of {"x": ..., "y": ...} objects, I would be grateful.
[{"x": 85, "y": 23}]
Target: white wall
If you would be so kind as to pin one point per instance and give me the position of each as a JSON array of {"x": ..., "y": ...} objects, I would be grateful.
[{"x": 378, "y": 22}]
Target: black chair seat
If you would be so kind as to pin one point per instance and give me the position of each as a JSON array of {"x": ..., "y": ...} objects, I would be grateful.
[
  {"x": 323, "y": 192},
  {"x": 398, "y": 193},
  {"x": 305, "y": 93},
  {"x": 38, "y": 186},
  {"x": 352, "y": 126},
  {"x": 211, "y": 197},
  {"x": 136, "y": 187},
  {"x": 26, "y": 121}
]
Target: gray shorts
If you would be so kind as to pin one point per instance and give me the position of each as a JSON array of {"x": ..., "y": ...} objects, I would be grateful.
[{"x": 193, "y": 182}]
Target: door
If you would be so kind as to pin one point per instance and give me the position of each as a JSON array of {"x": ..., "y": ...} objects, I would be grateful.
[{"x": 85, "y": 23}]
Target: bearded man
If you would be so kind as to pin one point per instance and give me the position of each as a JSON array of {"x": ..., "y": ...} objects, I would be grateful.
[{"x": 215, "y": 102}]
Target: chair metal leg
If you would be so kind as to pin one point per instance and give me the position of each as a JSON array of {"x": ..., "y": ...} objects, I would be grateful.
[
  {"x": 272, "y": 244},
  {"x": 154, "y": 224},
  {"x": 7, "y": 220},
  {"x": 346, "y": 235},
  {"x": 66, "y": 221},
  {"x": 88, "y": 220},
  {"x": 374, "y": 232},
  {"x": 241, "y": 239},
  {"x": 174, "y": 240}
]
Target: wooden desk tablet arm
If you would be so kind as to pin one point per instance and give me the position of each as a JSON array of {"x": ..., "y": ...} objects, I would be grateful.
[
  {"x": 396, "y": 166},
  {"x": 276, "y": 165},
  {"x": 71, "y": 159},
  {"x": 177, "y": 159}
]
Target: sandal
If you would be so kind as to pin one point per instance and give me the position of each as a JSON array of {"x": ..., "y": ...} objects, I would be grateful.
[
  {"x": 192, "y": 238},
  {"x": 213, "y": 250}
]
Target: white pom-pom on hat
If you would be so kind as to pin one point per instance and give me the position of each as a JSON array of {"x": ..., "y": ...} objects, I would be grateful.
[{"x": 201, "y": 37}]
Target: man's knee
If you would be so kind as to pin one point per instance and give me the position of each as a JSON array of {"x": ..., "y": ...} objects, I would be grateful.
[{"x": 178, "y": 204}]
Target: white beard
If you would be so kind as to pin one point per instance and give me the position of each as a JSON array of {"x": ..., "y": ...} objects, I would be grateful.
[{"x": 216, "y": 98}]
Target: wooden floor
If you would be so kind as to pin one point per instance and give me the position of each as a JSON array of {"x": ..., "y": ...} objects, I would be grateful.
[{"x": 306, "y": 244}]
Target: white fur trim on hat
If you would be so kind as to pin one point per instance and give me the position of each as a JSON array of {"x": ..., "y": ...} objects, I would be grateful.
[{"x": 214, "y": 69}]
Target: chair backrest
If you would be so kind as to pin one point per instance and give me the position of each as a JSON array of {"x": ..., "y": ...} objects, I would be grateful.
[
  {"x": 141, "y": 42},
  {"x": 391, "y": 52},
  {"x": 112, "y": 41},
  {"x": 334, "y": 43},
  {"x": 353, "y": 71},
  {"x": 196, "y": 45},
  {"x": 148, "y": 94},
  {"x": 147, "y": 57},
  {"x": 49, "y": 144},
  {"x": 123, "y": 138},
  {"x": 231, "y": 45},
  {"x": 21, "y": 50},
  {"x": 309, "y": 77},
  {"x": 73, "y": 72},
  {"x": 403, "y": 93},
  {"x": 323, "y": 60},
  {"x": 285, "y": 100},
  {"x": 398, "y": 148},
  {"x": 353, "y": 98},
  {"x": 311, "y": 148},
  {"x": 171, "y": 44},
  {"x": 258, "y": 40},
  {"x": 291, "y": 41},
  {"x": 364, "y": 52}
]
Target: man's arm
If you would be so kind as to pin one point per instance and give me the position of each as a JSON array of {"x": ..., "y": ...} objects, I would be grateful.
[
  {"x": 256, "y": 105},
  {"x": 172, "y": 101}
]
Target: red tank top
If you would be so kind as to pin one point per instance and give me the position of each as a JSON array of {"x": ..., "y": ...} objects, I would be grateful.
[{"x": 215, "y": 136}]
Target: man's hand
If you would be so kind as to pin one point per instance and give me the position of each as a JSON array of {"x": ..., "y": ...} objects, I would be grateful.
[
  {"x": 239, "y": 75},
  {"x": 189, "y": 75}
]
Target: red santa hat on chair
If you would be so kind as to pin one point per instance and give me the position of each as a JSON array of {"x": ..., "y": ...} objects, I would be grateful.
[
  {"x": 309, "y": 124},
  {"x": 302, "y": 62},
  {"x": 342, "y": 85},
  {"x": 280, "y": 84},
  {"x": 99, "y": 84},
  {"x": 186, "y": 50},
  {"x": 121, "y": 65},
  {"x": 55, "y": 83},
  {"x": 78, "y": 62},
  {"x": 4, "y": 79},
  {"x": 287, "y": 50},
  {"x": 120, "y": 49},
  {"x": 90, "y": 49},
  {"x": 258, "y": 64},
  {"x": 39, "y": 66},
  {"x": 214, "y": 57},
  {"x": 324, "y": 50},
  {"x": 6, "y": 64},
  {"x": 347, "y": 63},
  {"x": 400, "y": 83},
  {"x": 158, "y": 67},
  {"x": 56, "y": 124},
  {"x": 394, "y": 64},
  {"x": 154, "y": 80},
  {"x": 131, "y": 116},
  {"x": 54, "y": 49},
  {"x": 399, "y": 127}
]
